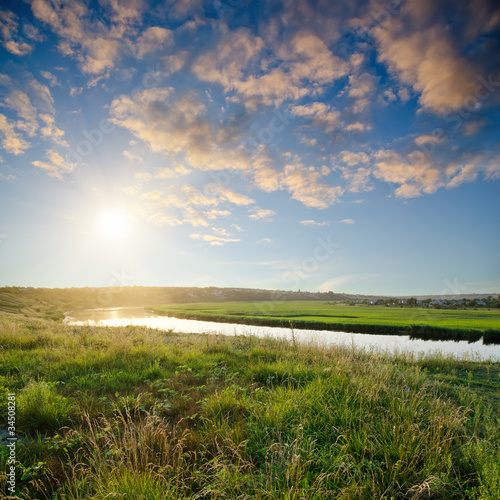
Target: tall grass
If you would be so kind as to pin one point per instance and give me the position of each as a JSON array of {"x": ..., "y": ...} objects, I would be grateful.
[{"x": 134, "y": 413}]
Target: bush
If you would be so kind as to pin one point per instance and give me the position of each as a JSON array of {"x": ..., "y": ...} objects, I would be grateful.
[{"x": 41, "y": 408}]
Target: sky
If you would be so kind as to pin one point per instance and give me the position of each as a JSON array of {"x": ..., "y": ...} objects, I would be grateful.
[{"x": 350, "y": 146}]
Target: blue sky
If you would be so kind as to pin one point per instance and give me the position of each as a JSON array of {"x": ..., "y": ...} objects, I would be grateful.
[{"x": 291, "y": 144}]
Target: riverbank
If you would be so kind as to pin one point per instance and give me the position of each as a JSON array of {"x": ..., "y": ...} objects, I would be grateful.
[
  {"x": 133, "y": 412},
  {"x": 418, "y": 323}
]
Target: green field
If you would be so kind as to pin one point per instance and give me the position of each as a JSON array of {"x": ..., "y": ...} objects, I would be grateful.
[
  {"x": 369, "y": 319},
  {"x": 138, "y": 414}
]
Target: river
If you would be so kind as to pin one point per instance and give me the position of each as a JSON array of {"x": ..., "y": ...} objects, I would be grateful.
[{"x": 122, "y": 316}]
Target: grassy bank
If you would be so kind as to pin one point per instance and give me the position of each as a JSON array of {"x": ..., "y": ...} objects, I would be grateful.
[
  {"x": 438, "y": 324},
  {"x": 133, "y": 413}
]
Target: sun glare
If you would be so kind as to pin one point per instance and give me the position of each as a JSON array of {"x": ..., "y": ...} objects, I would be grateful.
[{"x": 114, "y": 224}]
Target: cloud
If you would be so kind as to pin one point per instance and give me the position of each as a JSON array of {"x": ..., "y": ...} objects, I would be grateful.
[
  {"x": 190, "y": 205},
  {"x": 51, "y": 131},
  {"x": 11, "y": 142},
  {"x": 233, "y": 197},
  {"x": 41, "y": 96},
  {"x": 32, "y": 104},
  {"x": 350, "y": 158},
  {"x": 167, "y": 173},
  {"x": 124, "y": 11},
  {"x": 346, "y": 221},
  {"x": 175, "y": 123},
  {"x": 357, "y": 127},
  {"x": 261, "y": 213},
  {"x": 227, "y": 62},
  {"x": 181, "y": 10},
  {"x": 95, "y": 42},
  {"x": 21, "y": 103},
  {"x": 425, "y": 175},
  {"x": 220, "y": 231},
  {"x": 296, "y": 69},
  {"x": 423, "y": 139},
  {"x": 264, "y": 240},
  {"x": 215, "y": 214},
  {"x": 214, "y": 240},
  {"x": 414, "y": 178},
  {"x": 305, "y": 186},
  {"x": 492, "y": 171},
  {"x": 152, "y": 39},
  {"x": 52, "y": 78},
  {"x": 8, "y": 30},
  {"x": 165, "y": 123},
  {"x": 358, "y": 179},
  {"x": 473, "y": 127},
  {"x": 361, "y": 86},
  {"x": 56, "y": 167},
  {"x": 336, "y": 283},
  {"x": 467, "y": 173},
  {"x": 17, "y": 48},
  {"x": 265, "y": 177},
  {"x": 131, "y": 156},
  {"x": 100, "y": 55},
  {"x": 422, "y": 52},
  {"x": 314, "y": 223},
  {"x": 322, "y": 115}
]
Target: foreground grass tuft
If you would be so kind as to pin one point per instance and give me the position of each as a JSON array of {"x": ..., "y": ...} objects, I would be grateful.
[{"x": 133, "y": 413}]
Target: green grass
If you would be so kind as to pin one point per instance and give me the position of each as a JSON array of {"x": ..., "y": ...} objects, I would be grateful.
[
  {"x": 134, "y": 413},
  {"x": 427, "y": 323}
]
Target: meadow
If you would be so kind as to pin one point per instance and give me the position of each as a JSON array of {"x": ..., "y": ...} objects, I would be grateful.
[
  {"x": 419, "y": 322},
  {"x": 133, "y": 413}
]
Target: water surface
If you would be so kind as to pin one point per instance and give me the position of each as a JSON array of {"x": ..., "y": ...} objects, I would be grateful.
[{"x": 122, "y": 316}]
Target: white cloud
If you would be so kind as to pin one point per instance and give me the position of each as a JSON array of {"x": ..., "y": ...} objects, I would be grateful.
[
  {"x": 473, "y": 127},
  {"x": 219, "y": 231},
  {"x": 131, "y": 156},
  {"x": 18, "y": 48},
  {"x": 152, "y": 39},
  {"x": 357, "y": 127},
  {"x": 350, "y": 158},
  {"x": 177, "y": 124},
  {"x": 214, "y": 240},
  {"x": 361, "y": 87},
  {"x": 305, "y": 185},
  {"x": 321, "y": 114},
  {"x": 49, "y": 76},
  {"x": 467, "y": 173},
  {"x": 314, "y": 223},
  {"x": 233, "y": 197},
  {"x": 296, "y": 69},
  {"x": 261, "y": 213},
  {"x": 95, "y": 43},
  {"x": 56, "y": 167},
  {"x": 358, "y": 179},
  {"x": 346, "y": 221},
  {"x": 51, "y": 131},
  {"x": 426, "y": 58},
  {"x": 21, "y": 103},
  {"x": 11, "y": 142},
  {"x": 335, "y": 284},
  {"x": 423, "y": 139},
  {"x": 8, "y": 30}
]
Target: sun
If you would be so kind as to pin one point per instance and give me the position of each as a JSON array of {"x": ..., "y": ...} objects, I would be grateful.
[{"x": 114, "y": 224}]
